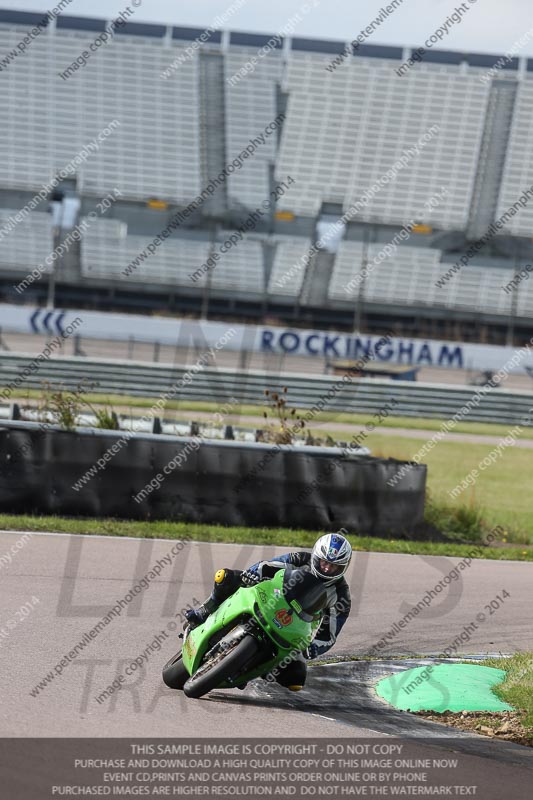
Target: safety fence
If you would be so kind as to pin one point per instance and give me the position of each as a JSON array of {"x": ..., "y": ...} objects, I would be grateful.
[{"x": 218, "y": 385}]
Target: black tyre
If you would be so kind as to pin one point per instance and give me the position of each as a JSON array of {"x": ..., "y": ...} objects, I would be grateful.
[
  {"x": 217, "y": 670},
  {"x": 174, "y": 673}
]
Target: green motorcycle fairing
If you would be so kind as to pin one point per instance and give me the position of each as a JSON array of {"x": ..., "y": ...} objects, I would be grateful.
[{"x": 266, "y": 605}]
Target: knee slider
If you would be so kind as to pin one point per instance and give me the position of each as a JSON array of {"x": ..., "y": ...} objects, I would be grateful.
[{"x": 219, "y": 576}]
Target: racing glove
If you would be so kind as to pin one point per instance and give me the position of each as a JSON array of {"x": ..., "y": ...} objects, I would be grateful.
[
  {"x": 316, "y": 649},
  {"x": 249, "y": 578}
]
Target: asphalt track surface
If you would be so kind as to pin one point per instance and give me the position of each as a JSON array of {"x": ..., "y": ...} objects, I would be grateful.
[{"x": 77, "y": 579}]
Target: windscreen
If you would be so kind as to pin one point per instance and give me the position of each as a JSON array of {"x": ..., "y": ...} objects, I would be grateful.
[{"x": 309, "y": 592}]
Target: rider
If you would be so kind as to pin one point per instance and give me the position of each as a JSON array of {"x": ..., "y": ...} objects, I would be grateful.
[{"x": 328, "y": 561}]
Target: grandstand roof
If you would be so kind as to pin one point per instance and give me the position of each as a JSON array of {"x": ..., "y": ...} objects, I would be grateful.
[{"x": 335, "y": 47}]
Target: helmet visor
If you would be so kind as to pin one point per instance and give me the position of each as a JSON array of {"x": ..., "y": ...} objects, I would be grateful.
[{"x": 328, "y": 569}]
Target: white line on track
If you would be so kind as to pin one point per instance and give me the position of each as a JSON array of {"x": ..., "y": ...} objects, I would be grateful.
[
  {"x": 136, "y": 538},
  {"x": 349, "y": 724}
]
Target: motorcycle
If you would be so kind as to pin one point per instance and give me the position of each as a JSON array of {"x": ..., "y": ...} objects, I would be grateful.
[{"x": 256, "y": 630}]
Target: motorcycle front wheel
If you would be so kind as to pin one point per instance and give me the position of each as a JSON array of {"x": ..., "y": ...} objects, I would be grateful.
[
  {"x": 221, "y": 666},
  {"x": 174, "y": 673}
]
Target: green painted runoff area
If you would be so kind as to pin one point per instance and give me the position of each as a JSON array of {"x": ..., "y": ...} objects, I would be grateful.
[{"x": 444, "y": 687}]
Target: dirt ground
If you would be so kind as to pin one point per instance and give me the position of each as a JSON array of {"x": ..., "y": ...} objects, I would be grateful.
[{"x": 496, "y": 724}]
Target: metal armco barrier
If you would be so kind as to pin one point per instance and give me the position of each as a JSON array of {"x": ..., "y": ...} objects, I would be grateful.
[
  {"x": 304, "y": 391},
  {"x": 229, "y": 483}
]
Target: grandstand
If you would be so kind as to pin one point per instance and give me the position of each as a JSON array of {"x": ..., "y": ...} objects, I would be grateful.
[
  {"x": 359, "y": 142},
  {"x": 30, "y": 242},
  {"x": 250, "y": 105},
  {"x": 286, "y": 278},
  {"x": 335, "y": 149},
  {"x": 411, "y": 276}
]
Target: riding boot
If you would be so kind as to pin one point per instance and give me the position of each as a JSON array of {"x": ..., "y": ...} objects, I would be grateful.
[{"x": 226, "y": 582}]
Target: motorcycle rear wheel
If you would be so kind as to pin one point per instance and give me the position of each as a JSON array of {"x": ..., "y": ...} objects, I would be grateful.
[{"x": 224, "y": 665}]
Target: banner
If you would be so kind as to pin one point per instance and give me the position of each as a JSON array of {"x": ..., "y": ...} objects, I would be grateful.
[{"x": 324, "y": 345}]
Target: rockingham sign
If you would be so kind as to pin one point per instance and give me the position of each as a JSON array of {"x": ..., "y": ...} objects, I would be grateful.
[
  {"x": 349, "y": 346},
  {"x": 324, "y": 345}
]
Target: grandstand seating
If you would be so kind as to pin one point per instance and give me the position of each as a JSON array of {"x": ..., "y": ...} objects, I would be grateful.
[
  {"x": 336, "y": 149},
  {"x": 154, "y": 151},
  {"x": 290, "y": 265},
  {"x": 106, "y": 253},
  {"x": 28, "y": 244},
  {"x": 409, "y": 277},
  {"x": 333, "y": 148},
  {"x": 343, "y": 130},
  {"x": 518, "y": 173},
  {"x": 241, "y": 269},
  {"x": 250, "y": 107}
]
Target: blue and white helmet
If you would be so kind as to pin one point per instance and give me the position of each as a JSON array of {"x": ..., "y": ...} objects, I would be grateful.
[{"x": 330, "y": 557}]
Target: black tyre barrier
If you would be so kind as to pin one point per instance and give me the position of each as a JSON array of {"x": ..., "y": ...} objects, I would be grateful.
[{"x": 89, "y": 472}]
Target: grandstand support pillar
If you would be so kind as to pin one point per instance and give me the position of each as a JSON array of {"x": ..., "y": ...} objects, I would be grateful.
[
  {"x": 51, "y": 298},
  {"x": 213, "y": 147},
  {"x": 358, "y": 319},
  {"x": 514, "y": 302},
  {"x": 50, "y": 301},
  {"x": 213, "y": 144},
  {"x": 204, "y": 313},
  {"x": 510, "y": 331},
  {"x": 492, "y": 157},
  {"x": 77, "y": 349},
  {"x": 244, "y": 360}
]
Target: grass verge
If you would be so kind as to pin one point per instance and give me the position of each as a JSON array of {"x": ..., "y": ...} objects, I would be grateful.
[
  {"x": 501, "y": 495},
  {"x": 280, "y": 537},
  {"x": 517, "y": 688}
]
